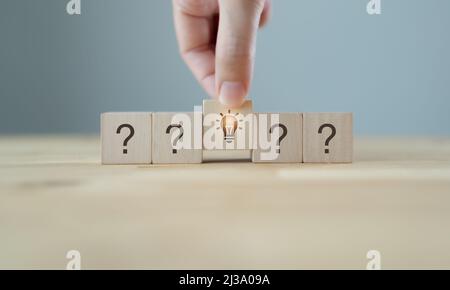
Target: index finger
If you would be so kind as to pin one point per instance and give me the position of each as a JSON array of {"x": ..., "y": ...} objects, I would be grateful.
[{"x": 195, "y": 25}]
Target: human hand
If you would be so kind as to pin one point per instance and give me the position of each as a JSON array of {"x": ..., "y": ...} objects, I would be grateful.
[{"x": 217, "y": 40}]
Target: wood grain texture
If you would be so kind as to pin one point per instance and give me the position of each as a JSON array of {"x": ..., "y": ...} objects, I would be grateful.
[
  {"x": 166, "y": 131},
  {"x": 56, "y": 196},
  {"x": 213, "y": 112},
  {"x": 290, "y": 147},
  {"x": 317, "y": 128},
  {"x": 113, "y": 136}
]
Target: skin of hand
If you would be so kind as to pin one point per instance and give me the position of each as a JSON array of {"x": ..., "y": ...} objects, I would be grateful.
[{"x": 217, "y": 40}]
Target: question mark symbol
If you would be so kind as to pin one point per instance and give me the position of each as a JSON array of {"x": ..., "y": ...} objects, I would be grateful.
[
  {"x": 333, "y": 133},
  {"x": 285, "y": 131},
  {"x": 125, "y": 142},
  {"x": 178, "y": 138}
]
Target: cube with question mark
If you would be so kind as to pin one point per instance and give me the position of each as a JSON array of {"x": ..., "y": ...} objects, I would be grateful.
[
  {"x": 126, "y": 138},
  {"x": 279, "y": 138},
  {"x": 328, "y": 137},
  {"x": 177, "y": 138}
]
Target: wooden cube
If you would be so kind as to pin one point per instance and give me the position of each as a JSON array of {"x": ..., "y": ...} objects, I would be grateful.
[
  {"x": 279, "y": 138},
  {"x": 177, "y": 138},
  {"x": 328, "y": 137},
  {"x": 227, "y": 132},
  {"x": 126, "y": 138}
]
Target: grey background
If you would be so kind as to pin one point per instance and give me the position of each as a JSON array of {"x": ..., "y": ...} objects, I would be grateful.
[{"x": 59, "y": 72}]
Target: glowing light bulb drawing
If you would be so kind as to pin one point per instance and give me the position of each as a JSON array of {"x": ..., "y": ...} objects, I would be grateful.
[{"x": 229, "y": 124}]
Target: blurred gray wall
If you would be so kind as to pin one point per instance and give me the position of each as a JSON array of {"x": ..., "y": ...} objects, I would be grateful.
[{"x": 59, "y": 72}]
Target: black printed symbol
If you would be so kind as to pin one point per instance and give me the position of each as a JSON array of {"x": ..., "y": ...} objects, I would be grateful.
[
  {"x": 333, "y": 133},
  {"x": 130, "y": 135}
]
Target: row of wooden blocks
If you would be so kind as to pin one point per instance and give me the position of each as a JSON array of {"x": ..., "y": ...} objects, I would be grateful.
[{"x": 218, "y": 133}]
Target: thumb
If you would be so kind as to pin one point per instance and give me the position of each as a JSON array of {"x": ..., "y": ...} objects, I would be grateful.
[{"x": 235, "y": 48}]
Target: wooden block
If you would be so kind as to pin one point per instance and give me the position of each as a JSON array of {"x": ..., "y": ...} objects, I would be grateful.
[
  {"x": 177, "y": 138},
  {"x": 227, "y": 133},
  {"x": 226, "y": 155},
  {"x": 328, "y": 137},
  {"x": 126, "y": 138},
  {"x": 279, "y": 138}
]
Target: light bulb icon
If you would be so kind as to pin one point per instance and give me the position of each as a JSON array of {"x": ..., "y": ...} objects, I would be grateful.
[{"x": 229, "y": 124}]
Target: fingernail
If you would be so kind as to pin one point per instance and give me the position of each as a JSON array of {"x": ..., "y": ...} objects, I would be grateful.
[{"x": 232, "y": 94}]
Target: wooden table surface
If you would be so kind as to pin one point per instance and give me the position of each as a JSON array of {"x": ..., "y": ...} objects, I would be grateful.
[{"x": 55, "y": 197}]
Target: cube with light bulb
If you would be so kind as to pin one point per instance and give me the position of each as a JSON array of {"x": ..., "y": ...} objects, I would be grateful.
[{"x": 227, "y": 132}]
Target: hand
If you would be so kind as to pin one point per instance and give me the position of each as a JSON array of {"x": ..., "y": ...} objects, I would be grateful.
[{"x": 217, "y": 40}]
